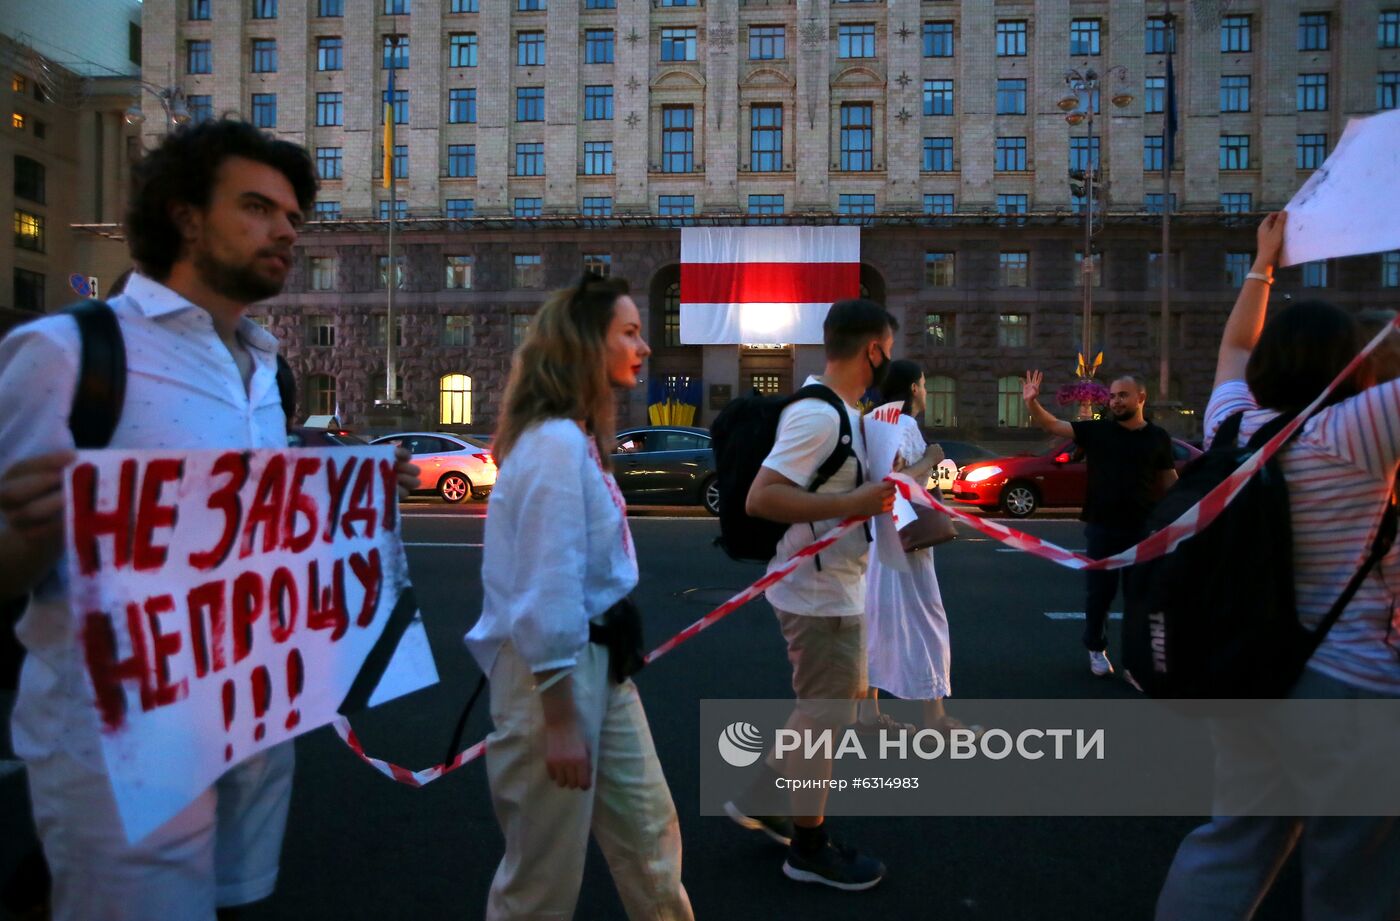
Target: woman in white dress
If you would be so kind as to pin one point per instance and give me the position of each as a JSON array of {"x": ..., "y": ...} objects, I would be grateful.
[{"x": 906, "y": 626}]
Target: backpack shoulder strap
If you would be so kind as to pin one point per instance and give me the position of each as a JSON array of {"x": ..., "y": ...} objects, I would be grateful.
[
  {"x": 1269, "y": 430},
  {"x": 845, "y": 438},
  {"x": 101, "y": 386},
  {"x": 1380, "y": 546},
  {"x": 287, "y": 389}
]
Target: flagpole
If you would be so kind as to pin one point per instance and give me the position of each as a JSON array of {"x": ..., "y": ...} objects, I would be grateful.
[
  {"x": 1164, "y": 334},
  {"x": 391, "y": 277}
]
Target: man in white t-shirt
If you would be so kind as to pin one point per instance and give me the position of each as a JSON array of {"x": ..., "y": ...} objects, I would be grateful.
[{"x": 821, "y": 606}]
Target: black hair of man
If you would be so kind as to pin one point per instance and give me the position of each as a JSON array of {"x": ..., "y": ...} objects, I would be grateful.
[
  {"x": 850, "y": 325},
  {"x": 183, "y": 168}
]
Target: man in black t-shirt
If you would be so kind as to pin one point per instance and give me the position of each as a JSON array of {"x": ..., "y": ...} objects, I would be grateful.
[{"x": 1130, "y": 466}]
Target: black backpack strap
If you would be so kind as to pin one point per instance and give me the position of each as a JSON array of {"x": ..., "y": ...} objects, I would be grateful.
[
  {"x": 1380, "y": 546},
  {"x": 845, "y": 443},
  {"x": 287, "y": 389},
  {"x": 101, "y": 386}
]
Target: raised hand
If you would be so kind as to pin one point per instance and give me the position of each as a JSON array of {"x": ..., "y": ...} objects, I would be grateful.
[
  {"x": 1270, "y": 238},
  {"x": 1030, "y": 387}
]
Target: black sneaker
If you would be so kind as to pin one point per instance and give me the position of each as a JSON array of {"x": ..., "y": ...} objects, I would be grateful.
[
  {"x": 836, "y": 866},
  {"x": 777, "y": 827}
]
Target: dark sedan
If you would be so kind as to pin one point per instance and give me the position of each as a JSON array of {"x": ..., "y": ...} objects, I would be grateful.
[
  {"x": 306, "y": 437},
  {"x": 665, "y": 464}
]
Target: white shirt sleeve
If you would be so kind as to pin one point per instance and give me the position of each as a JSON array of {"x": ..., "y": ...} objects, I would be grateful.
[
  {"x": 38, "y": 376},
  {"x": 1229, "y": 398},
  {"x": 808, "y": 432},
  {"x": 1365, "y": 429},
  {"x": 549, "y": 622}
]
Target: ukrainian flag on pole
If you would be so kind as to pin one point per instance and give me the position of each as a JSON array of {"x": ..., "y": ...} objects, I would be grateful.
[{"x": 389, "y": 132}]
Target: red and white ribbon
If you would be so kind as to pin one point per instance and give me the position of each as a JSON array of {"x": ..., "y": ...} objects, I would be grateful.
[{"x": 1191, "y": 522}]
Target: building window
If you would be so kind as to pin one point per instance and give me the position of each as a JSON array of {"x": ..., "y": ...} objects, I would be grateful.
[
  {"x": 1155, "y": 95},
  {"x": 400, "y": 104},
  {"x": 1388, "y": 90},
  {"x": 265, "y": 56},
  {"x": 330, "y": 8},
  {"x": 458, "y": 331},
  {"x": 598, "y": 264},
  {"x": 855, "y": 206},
  {"x": 1315, "y": 274},
  {"x": 458, "y": 273},
  {"x": 938, "y": 39},
  {"x": 1234, "y": 33},
  {"x": 1153, "y": 154},
  {"x": 679, "y": 2},
  {"x": 1236, "y": 202},
  {"x": 939, "y": 330},
  {"x": 1236, "y": 268},
  {"x": 1388, "y": 29},
  {"x": 29, "y": 291},
  {"x": 519, "y": 329},
  {"x": 766, "y": 138},
  {"x": 1161, "y": 36},
  {"x": 940, "y": 405},
  {"x": 454, "y": 399},
  {"x": 382, "y": 276},
  {"x": 201, "y": 107},
  {"x": 1095, "y": 269},
  {"x": 529, "y": 103},
  {"x": 528, "y": 207},
  {"x": 1312, "y": 150},
  {"x": 857, "y": 136},
  {"x": 765, "y": 205},
  {"x": 265, "y": 110},
  {"x": 938, "y": 203},
  {"x": 855, "y": 40},
  {"x": 320, "y": 331},
  {"x": 464, "y": 6},
  {"x": 328, "y": 162},
  {"x": 597, "y": 103},
  {"x": 322, "y": 273},
  {"x": 676, "y": 205},
  {"x": 461, "y": 106},
  {"x": 330, "y": 109},
  {"x": 1154, "y": 202},
  {"x": 597, "y": 206},
  {"x": 529, "y": 49},
  {"x": 460, "y": 208},
  {"x": 671, "y": 317},
  {"x": 1154, "y": 270},
  {"x": 461, "y": 161},
  {"x": 531, "y": 6},
  {"x": 462, "y": 49},
  {"x": 598, "y": 46},
  {"x": 529, "y": 160},
  {"x": 197, "y": 57},
  {"x": 328, "y": 52},
  {"x": 767, "y": 43},
  {"x": 678, "y": 44},
  {"x": 1312, "y": 32},
  {"x": 30, "y": 180},
  {"x": 1083, "y": 37},
  {"x": 264, "y": 9},
  {"x": 529, "y": 272},
  {"x": 400, "y": 161},
  {"x": 1234, "y": 151},
  {"x": 1084, "y": 153},
  {"x": 938, "y": 155},
  {"x": 939, "y": 269},
  {"x": 1014, "y": 271},
  {"x": 400, "y": 212},
  {"x": 396, "y": 7},
  {"x": 1312, "y": 92},
  {"x": 1013, "y": 204},
  {"x": 1010, "y": 154},
  {"x": 677, "y": 139},
  {"x": 938, "y": 97},
  {"x": 1390, "y": 269},
  {"x": 1011, "y": 38},
  {"x": 320, "y": 390},
  {"x": 199, "y": 9},
  {"x": 1013, "y": 330},
  {"x": 29, "y": 231},
  {"x": 326, "y": 210},
  {"x": 600, "y": 4},
  {"x": 767, "y": 385},
  {"x": 395, "y": 52},
  {"x": 597, "y": 158},
  {"x": 1011, "y": 409},
  {"x": 1234, "y": 93},
  {"x": 1011, "y": 97}
]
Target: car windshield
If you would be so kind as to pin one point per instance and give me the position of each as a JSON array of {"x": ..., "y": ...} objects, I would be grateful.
[{"x": 346, "y": 439}]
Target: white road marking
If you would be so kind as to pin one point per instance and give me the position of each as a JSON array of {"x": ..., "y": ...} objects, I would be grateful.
[{"x": 1079, "y": 615}]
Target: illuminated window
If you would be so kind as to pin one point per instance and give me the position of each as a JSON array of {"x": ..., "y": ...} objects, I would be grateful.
[
  {"x": 29, "y": 231},
  {"x": 455, "y": 399}
]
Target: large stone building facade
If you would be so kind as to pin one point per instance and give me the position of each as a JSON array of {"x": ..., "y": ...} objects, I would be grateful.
[{"x": 532, "y": 141}]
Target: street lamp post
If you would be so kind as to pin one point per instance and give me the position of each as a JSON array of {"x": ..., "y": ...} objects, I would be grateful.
[
  {"x": 172, "y": 101},
  {"x": 1078, "y": 105}
]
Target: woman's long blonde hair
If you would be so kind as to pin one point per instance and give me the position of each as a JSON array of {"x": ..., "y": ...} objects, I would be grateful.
[{"x": 560, "y": 371}]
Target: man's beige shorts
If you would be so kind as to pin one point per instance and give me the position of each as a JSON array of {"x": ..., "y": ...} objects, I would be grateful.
[{"x": 828, "y": 661}]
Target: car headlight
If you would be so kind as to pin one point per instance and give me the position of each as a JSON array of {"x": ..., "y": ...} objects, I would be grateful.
[{"x": 983, "y": 473}]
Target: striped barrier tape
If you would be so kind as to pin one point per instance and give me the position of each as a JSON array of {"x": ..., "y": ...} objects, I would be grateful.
[{"x": 1191, "y": 522}]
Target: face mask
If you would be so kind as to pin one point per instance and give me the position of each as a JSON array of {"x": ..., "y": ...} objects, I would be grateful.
[{"x": 878, "y": 372}]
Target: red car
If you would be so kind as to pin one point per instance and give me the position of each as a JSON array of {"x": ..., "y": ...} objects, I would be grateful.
[{"x": 1021, "y": 484}]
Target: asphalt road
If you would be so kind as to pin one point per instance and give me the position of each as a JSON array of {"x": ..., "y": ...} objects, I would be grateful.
[{"x": 359, "y": 846}]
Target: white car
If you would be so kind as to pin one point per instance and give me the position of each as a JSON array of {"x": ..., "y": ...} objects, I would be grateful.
[{"x": 450, "y": 465}]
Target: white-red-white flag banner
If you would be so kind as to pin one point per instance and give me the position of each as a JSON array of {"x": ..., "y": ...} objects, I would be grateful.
[{"x": 764, "y": 285}]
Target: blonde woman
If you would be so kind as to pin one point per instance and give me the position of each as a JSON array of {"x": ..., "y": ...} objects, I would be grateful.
[{"x": 571, "y": 752}]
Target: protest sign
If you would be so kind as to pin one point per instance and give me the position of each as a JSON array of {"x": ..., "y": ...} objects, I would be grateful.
[
  {"x": 1347, "y": 207},
  {"x": 225, "y": 601}
]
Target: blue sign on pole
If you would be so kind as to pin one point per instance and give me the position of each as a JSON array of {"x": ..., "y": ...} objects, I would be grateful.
[{"x": 79, "y": 283}]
